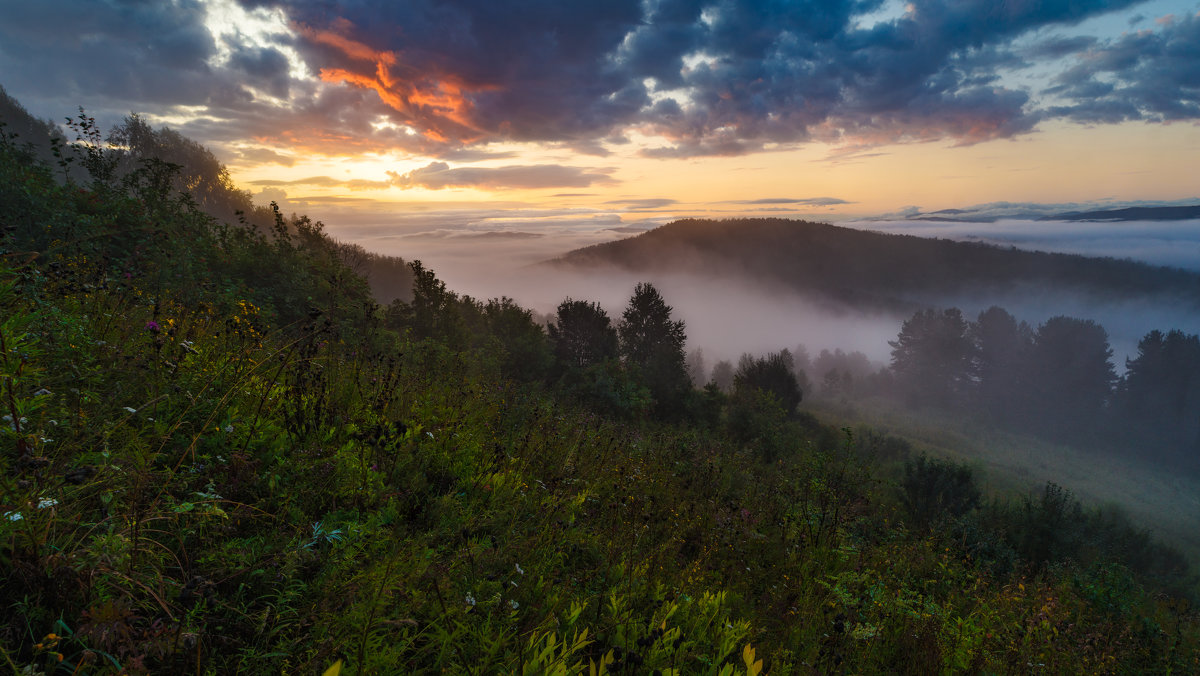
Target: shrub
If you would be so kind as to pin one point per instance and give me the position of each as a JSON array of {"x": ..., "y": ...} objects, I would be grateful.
[{"x": 934, "y": 489}]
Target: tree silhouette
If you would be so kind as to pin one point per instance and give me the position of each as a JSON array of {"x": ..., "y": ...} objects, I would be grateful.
[
  {"x": 1001, "y": 347},
  {"x": 433, "y": 312},
  {"x": 653, "y": 343},
  {"x": 1071, "y": 378},
  {"x": 771, "y": 374},
  {"x": 932, "y": 358},
  {"x": 582, "y": 334},
  {"x": 526, "y": 352},
  {"x": 722, "y": 375},
  {"x": 1159, "y": 398}
]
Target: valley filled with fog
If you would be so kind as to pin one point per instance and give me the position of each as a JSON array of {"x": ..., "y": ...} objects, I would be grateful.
[{"x": 730, "y": 315}]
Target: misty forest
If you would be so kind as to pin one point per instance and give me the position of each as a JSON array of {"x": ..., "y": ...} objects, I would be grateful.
[{"x": 233, "y": 443}]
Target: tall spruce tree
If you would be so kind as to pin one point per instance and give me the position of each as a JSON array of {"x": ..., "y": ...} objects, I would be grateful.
[
  {"x": 932, "y": 358},
  {"x": 653, "y": 344},
  {"x": 582, "y": 334}
]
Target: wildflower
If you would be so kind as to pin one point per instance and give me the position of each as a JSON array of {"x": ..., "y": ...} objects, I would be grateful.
[
  {"x": 229, "y": 428},
  {"x": 13, "y": 516},
  {"x": 519, "y": 571},
  {"x": 152, "y": 326},
  {"x": 47, "y": 502},
  {"x": 42, "y": 393},
  {"x": 131, "y": 409},
  {"x": 514, "y": 604},
  {"x": 470, "y": 600}
]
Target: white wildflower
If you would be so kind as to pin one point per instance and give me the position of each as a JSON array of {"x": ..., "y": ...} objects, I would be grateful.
[
  {"x": 42, "y": 393},
  {"x": 131, "y": 409},
  {"x": 47, "y": 502},
  {"x": 519, "y": 571},
  {"x": 514, "y": 604},
  {"x": 229, "y": 428},
  {"x": 13, "y": 516},
  {"x": 470, "y": 600}
]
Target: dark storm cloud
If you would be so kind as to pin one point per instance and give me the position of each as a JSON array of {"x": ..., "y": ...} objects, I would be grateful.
[
  {"x": 720, "y": 77},
  {"x": 115, "y": 56},
  {"x": 1059, "y": 46},
  {"x": 1146, "y": 75},
  {"x": 707, "y": 77},
  {"x": 266, "y": 67},
  {"x": 143, "y": 52},
  {"x": 438, "y": 175}
]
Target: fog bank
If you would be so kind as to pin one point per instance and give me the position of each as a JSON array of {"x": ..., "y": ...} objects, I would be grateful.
[{"x": 728, "y": 316}]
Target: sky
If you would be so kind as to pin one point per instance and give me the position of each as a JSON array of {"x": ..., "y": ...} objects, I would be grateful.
[{"x": 537, "y": 125}]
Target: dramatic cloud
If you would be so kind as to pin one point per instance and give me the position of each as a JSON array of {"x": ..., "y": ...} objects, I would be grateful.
[
  {"x": 683, "y": 77},
  {"x": 711, "y": 78},
  {"x": 438, "y": 175},
  {"x": 147, "y": 53},
  {"x": 1145, "y": 75}
]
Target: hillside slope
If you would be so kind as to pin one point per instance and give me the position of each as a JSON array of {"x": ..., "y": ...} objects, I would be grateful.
[{"x": 220, "y": 456}]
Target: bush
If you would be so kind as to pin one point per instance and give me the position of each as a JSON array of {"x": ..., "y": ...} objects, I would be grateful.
[{"x": 933, "y": 490}]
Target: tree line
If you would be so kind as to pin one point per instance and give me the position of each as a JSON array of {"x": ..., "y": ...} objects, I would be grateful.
[{"x": 1057, "y": 381}]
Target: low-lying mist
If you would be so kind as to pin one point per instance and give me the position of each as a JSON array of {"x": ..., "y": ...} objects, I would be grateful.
[
  {"x": 727, "y": 316},
  {"x": 1170, "y": 243}
]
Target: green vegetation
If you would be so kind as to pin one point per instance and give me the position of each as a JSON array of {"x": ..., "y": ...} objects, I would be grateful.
[{"x": 221, "y": 455}]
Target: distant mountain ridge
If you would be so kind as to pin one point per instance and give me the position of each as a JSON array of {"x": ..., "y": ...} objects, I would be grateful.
[
  {"x": 870, "y": 269},
  {"x": 1178, "y": 213}
]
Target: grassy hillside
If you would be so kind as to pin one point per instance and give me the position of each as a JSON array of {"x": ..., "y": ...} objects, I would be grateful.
[
  {"x": 869, "y": 269},
  {"x": 1161, "y": 499},
  {"x": 221, "y": 455}
]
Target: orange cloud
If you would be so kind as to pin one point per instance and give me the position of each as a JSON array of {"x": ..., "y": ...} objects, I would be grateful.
[
  {"x": 351, "y": 48},
  {"x": 438, "y": 105}
]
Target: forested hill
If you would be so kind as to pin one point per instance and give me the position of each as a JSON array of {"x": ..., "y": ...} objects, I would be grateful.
[
  {"x": 1132, "y": 214},
  {"x": 874, "y": 269}
]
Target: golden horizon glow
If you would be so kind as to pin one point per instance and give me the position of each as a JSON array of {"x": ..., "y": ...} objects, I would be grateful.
[{"x": 1062, "y": 163}]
